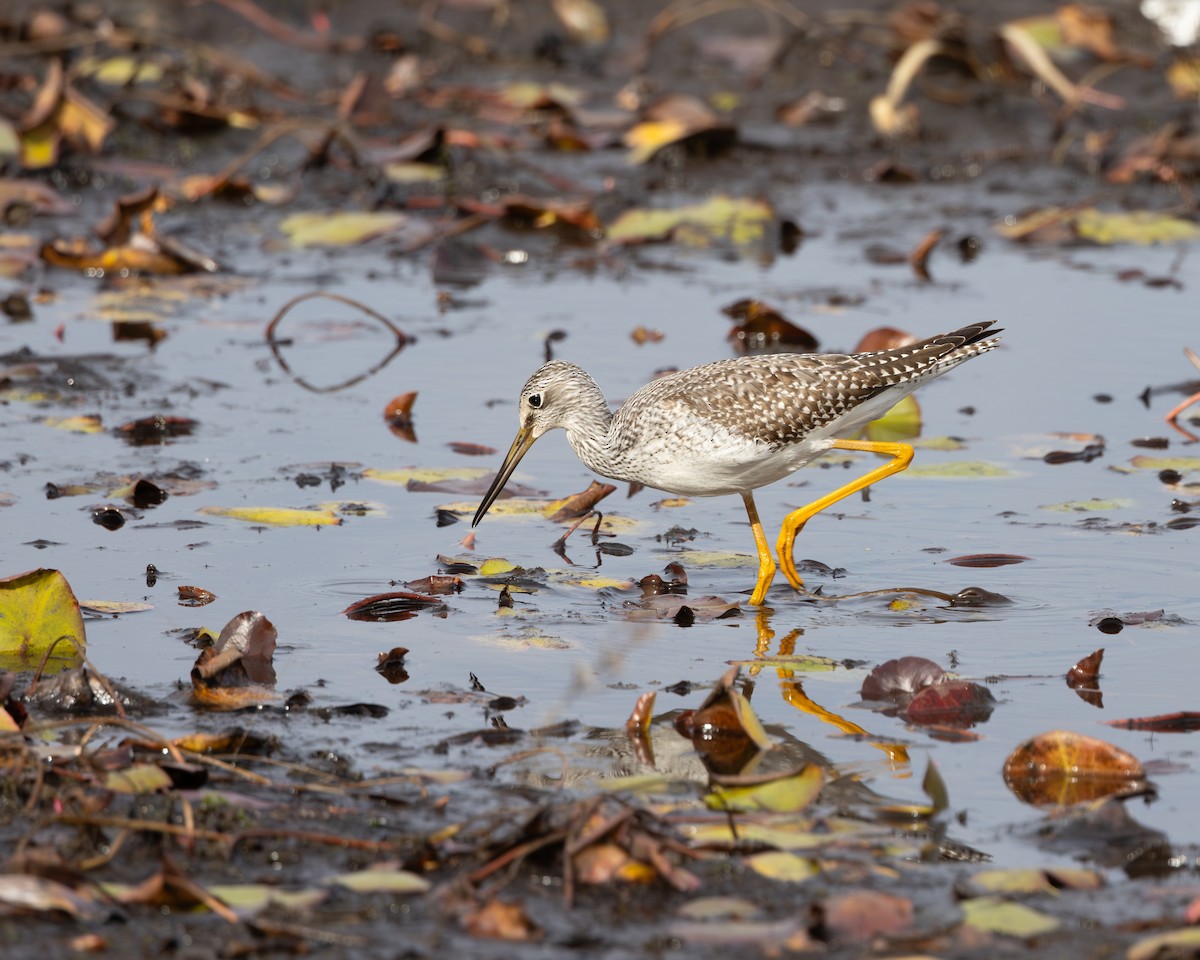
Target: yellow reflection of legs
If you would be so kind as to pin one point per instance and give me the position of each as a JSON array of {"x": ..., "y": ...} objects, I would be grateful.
[{"x": 793, "y": 693}]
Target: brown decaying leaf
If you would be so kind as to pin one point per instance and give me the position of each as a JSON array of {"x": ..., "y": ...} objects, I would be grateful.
[
  {"x": 242, "y": 655},
  {"x": 436, "y": 584},
  {"x": 919, "y": 258},
  {"x": 391, "y": 665},
  {"x": 814, "y": 107},
  {"x": 958, "y": 703},
  {"x": 155, "y": 430},
  {"x": 1183, "y": 721},
  {"x": 884, "y": 338},
  {"x": 497, "y": 920},
  {"x": 390, "y": 607},
  {"x": 131, "y": 243},
  {"x": 859, "y": 916},
  {"x": 901, "y": 679},
  {"x": 1061, "y": 768},
  {"x": 580, "y": 503},
  {"x": 762, "y": 328},
  {"x": 1086, "y": 672},
  {"x": 669, "y": 606},
  {"x": 399, "y": 408},
  {"x": 471, "y": 449},
  {"x": 987, "y": 560},
  {"x": 195, "y": 596}
]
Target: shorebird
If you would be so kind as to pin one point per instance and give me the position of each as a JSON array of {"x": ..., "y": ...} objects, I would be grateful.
[{"x": 736, "y": 425}]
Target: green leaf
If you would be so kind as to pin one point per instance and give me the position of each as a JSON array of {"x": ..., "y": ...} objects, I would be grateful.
[
  {"x": 959, "y": 470},
  {"x": 38, "y": 608},
  {"x": 804, "y": 663},
  {"x": 1088, "y": 506},
  {"x": 248, "y": 899},
  {"x": 1166, "y": 463}
]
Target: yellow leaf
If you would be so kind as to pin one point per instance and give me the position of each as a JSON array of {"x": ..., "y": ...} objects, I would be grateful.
[
  {"x": 39, "y": 147},
  {"x": 276, "y": 516},
  {"x": 1166, "y": 463},
  {"x": 109, "y": 608},
  {"x": 403, "y": 475},
  {"x": 993, "y": 915},
  {"x": 83, "y": 423},
  {"x": 1175, "y": 943},
  {"x": 902, "y": 422},
  {"x": 495, "y": 567},
  {"x": 739, "y": 221},
  {"x": 646, "y": 139},
  {"x": 1134, "y": 226},
  {"x": 119, "y": 71},
  {"x": 414, "y": 172},
  {"x": 382, "y": 881},
  {"x": 139, "y": 778},
  {"x": 248, "y": 899},
  {"x": 340, "y": 229},
  {"x": 781, "y": 865},
  {"x": 83, "y": 122},
  {"x": 36, "y": 609},
  {"x": 1184, "y": 78},
  {"x": 786, "y": 795}
]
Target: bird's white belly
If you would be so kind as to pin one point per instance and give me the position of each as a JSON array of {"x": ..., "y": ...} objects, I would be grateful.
[{"x": 719, "y": 463}]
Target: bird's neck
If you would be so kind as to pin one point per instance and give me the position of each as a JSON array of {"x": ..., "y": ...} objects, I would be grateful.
[{"x": 588, "y": 432}]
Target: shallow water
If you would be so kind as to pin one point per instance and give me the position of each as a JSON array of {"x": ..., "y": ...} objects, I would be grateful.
[{"x": 1072, "y": 331}]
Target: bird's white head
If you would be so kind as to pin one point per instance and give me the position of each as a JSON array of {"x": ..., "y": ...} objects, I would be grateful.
[
  {"x": 559, "y": 394},
  {"x": 556, "y": 394}
]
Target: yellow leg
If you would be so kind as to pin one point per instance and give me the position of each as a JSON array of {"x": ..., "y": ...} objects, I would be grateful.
[
  {"x": 766, "y": 566},
  {"x": 793, "y": 523}
]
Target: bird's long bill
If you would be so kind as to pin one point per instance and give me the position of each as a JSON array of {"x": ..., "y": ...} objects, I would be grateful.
[{"x": 519, "y": 448}]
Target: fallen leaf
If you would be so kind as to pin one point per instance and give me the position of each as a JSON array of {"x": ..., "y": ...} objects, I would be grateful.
[
  {"x": 859, "y": 916},
  {"x": 900, "y": 680},
  {"x": 740, "y": 222},
  {"x": 37, "y": 611},
  {"x": 349, "y": 228},
  {"x": 952, "y": 702},
  {"x": 780, "y": 795},
  {"x": 1063, "y": 768},
  {"x": 497, "y": 920},
  {"x": 276, "y": 516},
  {"x": 994, "y": 915}
]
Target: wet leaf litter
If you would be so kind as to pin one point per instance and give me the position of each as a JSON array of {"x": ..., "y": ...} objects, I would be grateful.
[{"x": 394, "y": 228}]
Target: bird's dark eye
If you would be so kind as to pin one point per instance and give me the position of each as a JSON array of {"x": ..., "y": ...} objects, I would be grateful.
[{"x": 535, "y": 400}]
